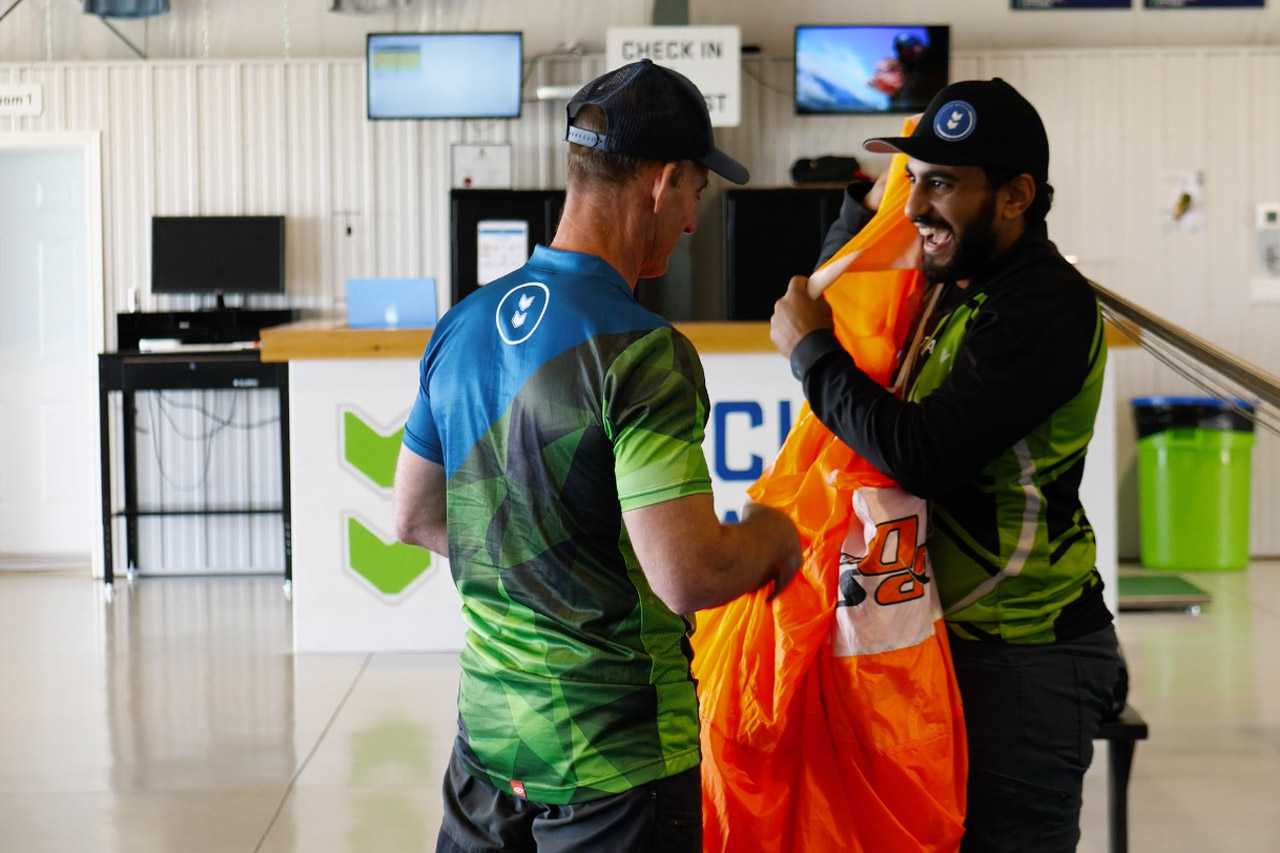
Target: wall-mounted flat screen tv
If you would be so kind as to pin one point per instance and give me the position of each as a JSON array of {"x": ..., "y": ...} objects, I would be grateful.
[
  {"x": 854, "y": 69},
  {"x": 217, "y": 254},
  {"x": 444, "y": 75}
]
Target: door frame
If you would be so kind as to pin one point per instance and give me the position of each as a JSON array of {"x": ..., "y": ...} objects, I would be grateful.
[{"x": 89, "y": 144}]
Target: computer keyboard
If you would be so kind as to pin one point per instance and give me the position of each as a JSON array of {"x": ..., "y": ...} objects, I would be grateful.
[{"x": 175, "y": 345}]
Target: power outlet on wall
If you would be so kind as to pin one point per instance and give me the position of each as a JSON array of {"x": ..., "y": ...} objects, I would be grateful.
[
  {"x": 1267, "y": 216},
  {"x": 1264, "y": 285}
]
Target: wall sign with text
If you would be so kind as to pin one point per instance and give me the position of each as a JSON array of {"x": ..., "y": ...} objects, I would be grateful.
[
  {"x": 709, "y": 56},
  {"x": 21, "y": 99}
]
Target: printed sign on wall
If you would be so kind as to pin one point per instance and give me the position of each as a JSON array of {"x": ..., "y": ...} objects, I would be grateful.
[
  {"x": 21, "y": 99},
  {"x": 482, "y": 166},
  {"x": 709, "y": 56}
]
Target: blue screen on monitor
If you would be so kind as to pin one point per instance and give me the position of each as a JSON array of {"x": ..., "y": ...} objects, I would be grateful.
[
  {"x": 869, "y": 69},
  {"x": 444, "y": 75}
]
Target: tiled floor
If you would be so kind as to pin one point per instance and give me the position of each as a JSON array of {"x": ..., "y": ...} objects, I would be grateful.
[{"x": 177, "y": 719}]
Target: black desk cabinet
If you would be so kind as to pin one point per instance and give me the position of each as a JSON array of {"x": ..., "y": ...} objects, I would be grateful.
[
  {"x": 769, "y": 236},
  {"x": 129, "y": 372},
  {"x": 225, "y": 325}
]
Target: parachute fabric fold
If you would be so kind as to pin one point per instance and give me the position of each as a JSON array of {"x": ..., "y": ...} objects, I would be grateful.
[{"x": 830, "y": 716}]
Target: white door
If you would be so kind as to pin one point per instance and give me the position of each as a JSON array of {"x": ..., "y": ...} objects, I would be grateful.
[{"x": 48, "y": 387}]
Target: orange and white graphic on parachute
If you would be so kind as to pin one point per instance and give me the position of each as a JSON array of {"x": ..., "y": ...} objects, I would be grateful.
[{"x": 884, "y": 564}]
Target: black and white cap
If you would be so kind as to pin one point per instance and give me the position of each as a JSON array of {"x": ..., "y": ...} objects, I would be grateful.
[{"x": 976, "y": 123}]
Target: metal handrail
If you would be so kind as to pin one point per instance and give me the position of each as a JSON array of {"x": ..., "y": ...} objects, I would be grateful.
[
  {"x": 16, "y": 4},
  {"x": 1210, "y": 368}
]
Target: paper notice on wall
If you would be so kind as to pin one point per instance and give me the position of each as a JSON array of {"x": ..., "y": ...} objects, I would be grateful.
[
  {"x": 1183, "y": 196},
  {"x": 502, "y": 246},
  {"x": 482, "y": 166}
]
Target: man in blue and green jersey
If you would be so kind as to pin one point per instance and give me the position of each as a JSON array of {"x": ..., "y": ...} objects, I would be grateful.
[
  {"x": 1001, "y": 386},
  {"x": 554, "y": 453}
]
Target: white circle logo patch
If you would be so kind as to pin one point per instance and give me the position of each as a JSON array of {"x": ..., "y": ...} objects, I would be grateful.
[
  {"x": 955, "y": 121},
  {"x": 521, "y": 310}
]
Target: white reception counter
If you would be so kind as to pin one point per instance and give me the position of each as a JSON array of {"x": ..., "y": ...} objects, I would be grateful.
[{"x": 355, "y": 589}]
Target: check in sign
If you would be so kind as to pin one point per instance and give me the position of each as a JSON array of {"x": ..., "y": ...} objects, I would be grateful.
[{"x": 709, "y": 56}]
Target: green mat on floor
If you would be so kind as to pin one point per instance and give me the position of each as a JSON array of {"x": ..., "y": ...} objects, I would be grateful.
[{"x": 1158, "y": 592}]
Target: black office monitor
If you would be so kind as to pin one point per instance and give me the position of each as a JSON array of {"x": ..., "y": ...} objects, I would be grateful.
[
  {"x": 843, "y": 70},
  {"x": 444, "y": 75},
  {"x": 217, "y": 254}
]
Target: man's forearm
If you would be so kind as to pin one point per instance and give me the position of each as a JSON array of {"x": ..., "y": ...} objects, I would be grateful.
[
  {"x": 693, "y": 560},
  {"x": 419, "y": 502},
  {"x": 760, "y": 549},
  {"x": 896, "y": 437}
]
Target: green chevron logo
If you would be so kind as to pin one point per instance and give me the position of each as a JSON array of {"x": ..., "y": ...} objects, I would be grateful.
[
  {"x": 368, "y": 450},
  {"x": 389, "y": 567}
]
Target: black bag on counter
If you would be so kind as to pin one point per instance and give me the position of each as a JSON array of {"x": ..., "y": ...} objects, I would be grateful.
[{"x": 827, "y": 169}]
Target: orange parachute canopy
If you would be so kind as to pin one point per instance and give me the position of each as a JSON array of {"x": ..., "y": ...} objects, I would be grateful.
[{"x": 830, "y": 716}]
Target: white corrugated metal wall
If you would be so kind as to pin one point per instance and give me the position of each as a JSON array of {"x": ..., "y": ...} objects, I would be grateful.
[
  {"x": 1117, "y": 121},
  {"x": 371, "y": 198}
]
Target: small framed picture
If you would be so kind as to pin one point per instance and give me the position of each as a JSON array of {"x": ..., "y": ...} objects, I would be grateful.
[{"x": 486, "y": 166}]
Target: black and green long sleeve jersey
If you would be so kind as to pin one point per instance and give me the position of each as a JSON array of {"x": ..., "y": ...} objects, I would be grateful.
[{"x": 993, "y": 431}]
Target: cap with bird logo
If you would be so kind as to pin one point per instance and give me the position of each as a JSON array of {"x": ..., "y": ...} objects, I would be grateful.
[{"x": 976, "y": 123}]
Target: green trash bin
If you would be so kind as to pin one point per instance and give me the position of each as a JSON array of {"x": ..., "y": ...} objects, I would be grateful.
[{"x": 1193, "y": 482}]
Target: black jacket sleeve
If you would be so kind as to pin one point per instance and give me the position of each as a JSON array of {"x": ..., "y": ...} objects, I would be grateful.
[
  {"x": 852, "y": 219},
  {"x": 1025, "y": 353}
]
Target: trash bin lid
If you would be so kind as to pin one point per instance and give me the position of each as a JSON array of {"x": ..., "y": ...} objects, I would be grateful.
[
  {"x": 1212, "y": 402},
  {"x": 1156, "y": 414}
]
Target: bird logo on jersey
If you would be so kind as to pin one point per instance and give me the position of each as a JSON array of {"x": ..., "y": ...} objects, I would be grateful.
[{"x": 520, "y": 312}]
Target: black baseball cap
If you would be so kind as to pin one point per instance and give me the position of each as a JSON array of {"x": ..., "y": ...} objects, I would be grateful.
[
  {"x": 652, "y": 111},
  {"x": 976, "y": 123}
]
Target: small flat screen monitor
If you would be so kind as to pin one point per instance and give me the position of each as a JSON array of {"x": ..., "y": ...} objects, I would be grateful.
[
  {"x": 217, "y": 254},
  {"x": 842, "y": 70},
  {"x": 444, "y": 75}
]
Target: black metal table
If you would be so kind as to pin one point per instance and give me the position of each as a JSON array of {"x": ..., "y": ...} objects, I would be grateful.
[{"x": 130, "y": 372}]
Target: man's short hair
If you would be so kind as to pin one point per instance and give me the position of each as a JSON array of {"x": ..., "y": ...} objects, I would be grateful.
[
  {"x": 998, "y": 177},
  {"x": 594, "y": 167}
]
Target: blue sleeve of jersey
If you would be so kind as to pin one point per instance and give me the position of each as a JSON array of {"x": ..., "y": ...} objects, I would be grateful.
[{"x": 420, "y": 433}]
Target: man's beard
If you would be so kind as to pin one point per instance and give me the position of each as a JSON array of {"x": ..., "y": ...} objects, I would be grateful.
[{"x": 974, "y": 243}]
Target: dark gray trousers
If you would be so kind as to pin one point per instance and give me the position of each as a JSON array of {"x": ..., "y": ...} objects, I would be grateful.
[
  {"x": 664, "y": 816},
  {"x": 1031, "y": 713}
]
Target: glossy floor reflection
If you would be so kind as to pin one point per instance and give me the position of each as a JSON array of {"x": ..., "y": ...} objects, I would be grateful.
[{"x": 177, "y": 719}]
